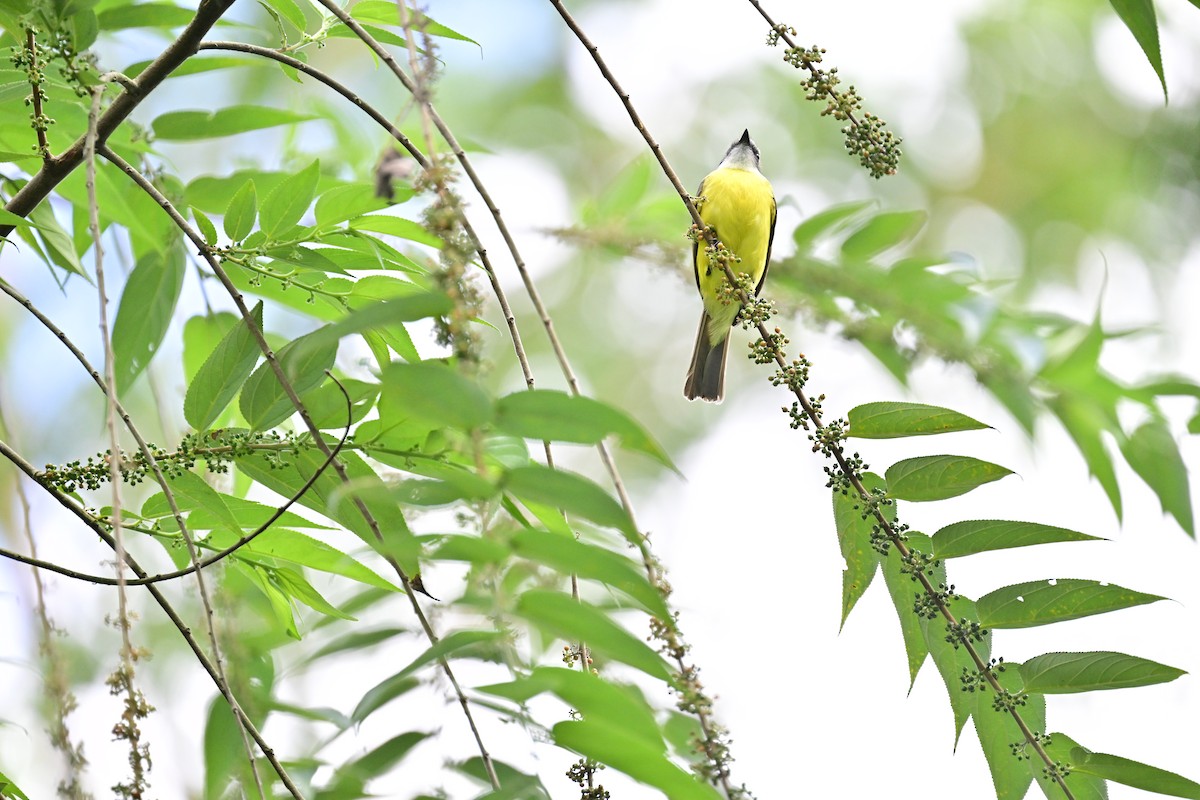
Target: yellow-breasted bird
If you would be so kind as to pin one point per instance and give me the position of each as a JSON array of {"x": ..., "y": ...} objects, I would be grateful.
[{"x": 739, "y": 205}]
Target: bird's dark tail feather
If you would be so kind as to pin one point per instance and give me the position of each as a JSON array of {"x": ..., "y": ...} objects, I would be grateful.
[{"x": 706, "y": 377}]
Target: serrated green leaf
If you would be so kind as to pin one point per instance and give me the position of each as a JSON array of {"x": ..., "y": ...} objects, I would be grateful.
[
  {"x": 263, "y": 401},
  {"x": 575, "y": 620},
  {"x": 894, "y": 420},
  {"x": 185, "y": 126},
  {"x": 983, "y": 535},
  {"x": 1139, "y": 18},
  {"x": 1133, "y": 773},
  {"x": 286, "y": 203},
  {"x": 201, "y": 335},
  {"x": 1154, "y": 455},
  {"x": 222, "y": 374},
  {"x": 295, "y": 586},
  {"x": 1067, "y": 673},
  {"x": 998, "y": 731},
  {"x": 903, "y": 591},
  {"x": 883, "y": 232},
  {"x": 940, "y": 477},
  {"x": 560, "y": 417},
  {"x": 590, "y": 562},
  {"x": 438, "y": 393},
  {"x": 144, "y": 315},
  {"x": 241, "y": 213},
  {"x": 302, "y": 550},
  {"x": 1025, "y": 605},
  {"x": 1083, "y": 786},
  {"x": 854, "y": 539},
  {"x": 570, "y": 492},
  {"x": 950, "y": 660}
]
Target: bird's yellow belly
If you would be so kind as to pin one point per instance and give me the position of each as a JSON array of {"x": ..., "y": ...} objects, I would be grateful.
[{"x": 738, "y": 205}]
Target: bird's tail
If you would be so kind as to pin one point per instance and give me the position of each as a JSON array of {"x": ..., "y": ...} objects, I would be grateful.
[{"x": 706, "y": 376}]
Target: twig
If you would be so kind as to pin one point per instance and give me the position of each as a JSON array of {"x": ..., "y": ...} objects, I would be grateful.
[
  {"x": 290, "y": 391},
  {"x": 184, "y": 629},
  {"x": 56, "y": 169},
  {"x": 821, "y": 432},
  {"x": 220, "y": 554},
  {"x": 39, "y": 121}
]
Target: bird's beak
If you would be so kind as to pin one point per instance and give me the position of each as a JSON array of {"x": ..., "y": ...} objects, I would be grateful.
[{"x": 745, "y": 137}]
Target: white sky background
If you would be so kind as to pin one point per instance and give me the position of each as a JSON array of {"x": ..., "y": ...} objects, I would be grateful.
[{"x": 812, "y": 712}]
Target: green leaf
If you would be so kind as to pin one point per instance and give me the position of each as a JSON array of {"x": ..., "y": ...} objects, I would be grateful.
[
  {"x": 289, "y": 10},
  {"x": 572, "y": 493},
  {"x": 1133, "y": 773},
  {"x": 1154, "y": 456},
  {"x": 298, "y": 548},
  {"x": 950, "y": 660},
  {"x": 894, "y": 420},
  {"x": 1066, "y": 673},
  {"x": 207, "y": 229},
  {"x": 609, "y": 744},
  {"x": 560, "y": 417},
  {"x": 592, "y": 562},
  {"x": 854, "y": 538},
  {"x": 185, "y": 126},
  {"x": 997, "y": 732},
  {"x": 294, "y": 585},
  {"x": 222, "y": 374},
  {"x": 1138, "y": 16},
  {"x": 147, "y": 306},
  {"x": 389, "y": 313},
  {"x": 8, "y": 789},
  {"x": 263, "y": 401},
  {"x": 940, "y": 477},
  {"x": 1083, "y": 786},
  {"x": 242, "y": 210},
  {"x": 396, "y": 226},
  {"x": 575, "y": 621},
  {"x": 286, "y": 203},
  {"x": 59, "y": 247},
  {"x": 327, "y": 406},
  {"x": 1043, "y": 602},
  {"x": 386, "y": 690},
  {"x": 436, "y": 392},
  {"x": 1084, "y": 423},
  {"x": 144, "y": 15},
  {"x": 349, "y": 778},
  {"x": 825, "y": 223},
  {"x": 589, "y": 694},
  {"x": 982, "y": 535},
  {"x": 903, "y": 591},
  {"x": 883, "y": 232},
  {"x": 384, "y": 12},
  {"x": 348, "y": 201}
]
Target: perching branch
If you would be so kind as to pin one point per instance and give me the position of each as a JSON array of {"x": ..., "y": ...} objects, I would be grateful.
[{"x": 793, "y": 376}]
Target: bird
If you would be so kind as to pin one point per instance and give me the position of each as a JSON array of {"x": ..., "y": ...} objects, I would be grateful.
[{"x": 738, "y": 203}]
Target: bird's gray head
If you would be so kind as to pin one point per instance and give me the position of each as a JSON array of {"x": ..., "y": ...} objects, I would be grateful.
[{"x": 742, "y": 154}]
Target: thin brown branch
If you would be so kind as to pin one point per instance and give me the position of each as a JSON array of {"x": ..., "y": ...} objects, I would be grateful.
[
  {"x": 39, "y": 120},
  {"x": 184, "y": 629},
  {"x": 56, "y": 169},
  {"x": 806, "y": 405}
]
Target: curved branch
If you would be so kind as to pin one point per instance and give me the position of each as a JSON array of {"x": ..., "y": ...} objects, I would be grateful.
[{"x": 103, "y": 580}]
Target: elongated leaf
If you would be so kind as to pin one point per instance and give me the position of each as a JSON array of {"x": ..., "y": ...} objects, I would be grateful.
[
  {"x": 396, "y": 226},
  {"x": 241, "y": 213},
  {"x": 1138, "y": 16},
  {"x": 1025, "y": 605},
  {"x": 222, "y": 374},
  {"x": 982, "y": 535},
  {"x": 882, "y": 232},
  {"x": 576, "y": 621},
  {"x": 147, "y": 305},
  {"x": 997, "y": 731},
  {"x": 295, "y": 586},
  {"x": 608, "y": 743},
  {"x": 452, "y": 644},
  {"x": 904, "y": 590},
  {"x": 192, "y": 125},
  {"x": 145, "y": 15},
  {"x": 854, "y": 539},
  {"x": 8, "y": 789},
  {"x": 387, "y": 313},
  {"x": 1133, "y": 773},
  {"x": 570, "y": 492},
  {"x": 1154, "y": 456},
  {"x": 60, "y": 250},
  {"x": 264, "y": 403},
  {"x": 895, "y": 420},
  {"x": 1066, "y": 673},
  {"x": 347, "y": 202},
  {"x": 826, "y": 222},
  {"x": 207, "y": 229},
  {"x": 327, "y": 405},
  {"x": 298, "y": 548},
  {"x": 286, "y": 203},
  {"x": 436, "y": 392},
  {"x": 569, "y": 555},
  {"x": 940, "y": 477},
  {"x": 560, "y": 417},
  {"x": 381, "y": 694},
  {"x": 589, "y": 694},
  {"x": 950, "y": 660},
  {"x": 1083, "y": 786}
]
